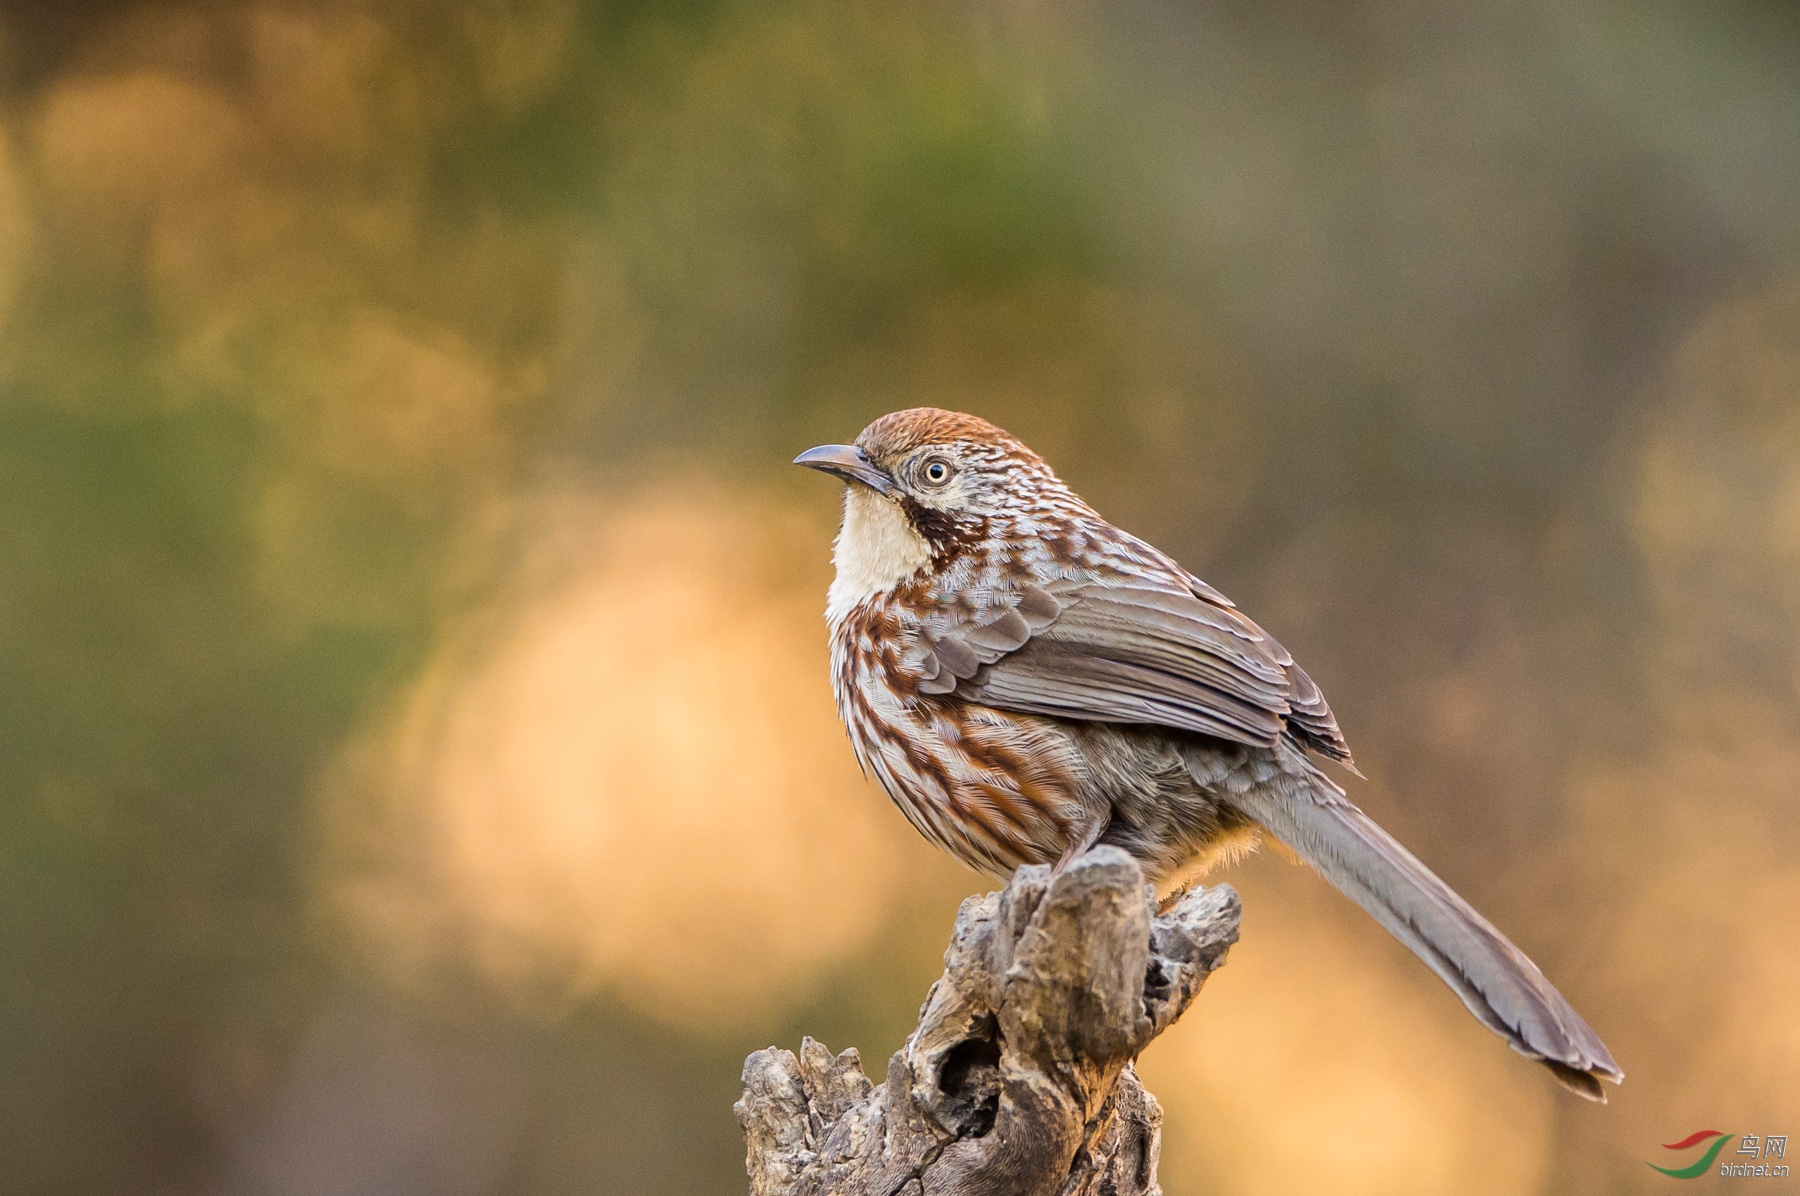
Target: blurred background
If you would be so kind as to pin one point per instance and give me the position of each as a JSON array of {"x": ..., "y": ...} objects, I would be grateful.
[{"x": 417, "y": 766}]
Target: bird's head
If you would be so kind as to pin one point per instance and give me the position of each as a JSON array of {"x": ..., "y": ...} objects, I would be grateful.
[{"x": 924, "y": 487}]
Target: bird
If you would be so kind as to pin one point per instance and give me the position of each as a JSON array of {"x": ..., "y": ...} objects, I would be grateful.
[{"x": 1025, "y": 680}]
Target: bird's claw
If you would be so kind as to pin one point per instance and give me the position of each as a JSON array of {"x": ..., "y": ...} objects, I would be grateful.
[{"x": 1174, "y": 898}]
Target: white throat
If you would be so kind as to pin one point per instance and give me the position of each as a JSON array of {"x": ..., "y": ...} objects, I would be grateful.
[{"x": 876, "y": 549}]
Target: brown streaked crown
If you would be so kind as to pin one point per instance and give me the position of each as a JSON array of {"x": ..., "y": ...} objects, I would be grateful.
[{"x": 900, "y": 432}]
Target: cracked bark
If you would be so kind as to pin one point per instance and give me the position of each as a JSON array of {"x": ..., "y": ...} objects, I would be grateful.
[{"x": 1018, "y": 1078}]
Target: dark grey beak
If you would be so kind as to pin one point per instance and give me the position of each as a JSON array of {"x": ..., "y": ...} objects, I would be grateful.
[{"x": 847, "y": 462}]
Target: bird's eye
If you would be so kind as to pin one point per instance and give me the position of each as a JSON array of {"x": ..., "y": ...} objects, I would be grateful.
[{"x": 937, "y": 472}]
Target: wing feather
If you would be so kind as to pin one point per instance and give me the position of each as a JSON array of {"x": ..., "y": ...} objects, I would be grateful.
[{"x": 1149, "y": 649}]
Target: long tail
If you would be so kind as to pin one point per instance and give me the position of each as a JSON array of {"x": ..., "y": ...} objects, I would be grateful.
[{"x": 1495, "y": 980}]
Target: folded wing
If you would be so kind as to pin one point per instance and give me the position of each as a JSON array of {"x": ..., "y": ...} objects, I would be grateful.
[{"x": 1165, "y": 651}]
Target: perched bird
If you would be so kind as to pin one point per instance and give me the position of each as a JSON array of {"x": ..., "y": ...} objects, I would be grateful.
[{"x": 1027, "y": 680}]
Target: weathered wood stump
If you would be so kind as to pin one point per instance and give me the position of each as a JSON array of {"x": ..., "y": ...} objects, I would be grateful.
[{"x": 1018, "y": 1078}]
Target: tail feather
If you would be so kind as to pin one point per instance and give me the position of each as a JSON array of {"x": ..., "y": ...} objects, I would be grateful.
[{"x": 1500, "y": 986}]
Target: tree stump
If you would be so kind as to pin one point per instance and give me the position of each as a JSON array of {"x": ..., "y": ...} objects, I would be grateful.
[{"x": 1018, "y": 1078}]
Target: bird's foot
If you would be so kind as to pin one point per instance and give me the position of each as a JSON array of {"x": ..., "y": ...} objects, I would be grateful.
[
  {"x": 1174, "y": 898},
  {"x": 1089, "y": 837}
]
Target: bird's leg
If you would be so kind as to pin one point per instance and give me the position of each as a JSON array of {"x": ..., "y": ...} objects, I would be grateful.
[
  {"x": 1090, "y": 835},
  {"x": 1175, "y": 895}
]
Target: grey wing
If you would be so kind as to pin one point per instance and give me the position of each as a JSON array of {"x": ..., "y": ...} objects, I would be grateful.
[{"x": 1132, "y": 649}]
